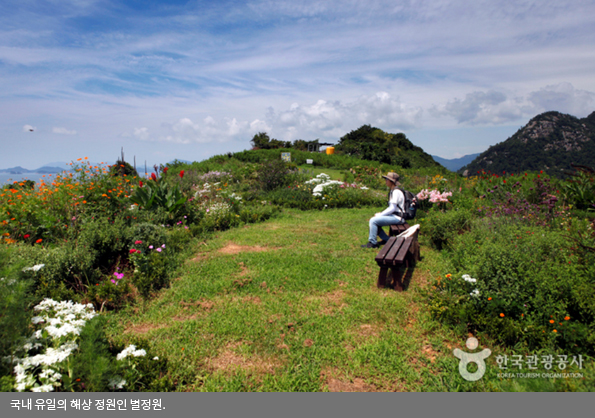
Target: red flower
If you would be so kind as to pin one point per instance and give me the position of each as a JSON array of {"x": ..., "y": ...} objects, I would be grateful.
[
  {"x": 153, "y": 176},
  {"x": 182, "y": 174},
  {"x": 504, "y": 181},
  {"x": 38, "y": 241},
  {"x": 165, "y": 169},
  {"x": 132, "y": 251},
  {"x": 140, "y": 183},
  {"x": 26, "y": 236},
  {"x": 138, "y": 242}
]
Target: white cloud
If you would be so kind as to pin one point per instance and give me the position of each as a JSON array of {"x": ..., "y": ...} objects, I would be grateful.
[
  {"x": 63, "y": 131},
  {"x": 480, "y": 108},
  {"x": 563, "y": 97},
  {"x": 334, "y": 118},
  {"x": 142, "y": 133},
  {"x": 28, "y": 128}
]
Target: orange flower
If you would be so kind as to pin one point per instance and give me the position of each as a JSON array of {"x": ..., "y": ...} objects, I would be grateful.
[
  {"x": 566, "y": 318},
  {"x": 551, "y": 321},
  {"x": 501, "y": 315},
  {"x": 38, "y": 241},
  {"x": 448, "y": 276},
  {"x": 555, "y": 330}
]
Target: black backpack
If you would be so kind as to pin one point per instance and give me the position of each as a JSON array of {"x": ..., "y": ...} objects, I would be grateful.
[{"x": 408, "y": 212}]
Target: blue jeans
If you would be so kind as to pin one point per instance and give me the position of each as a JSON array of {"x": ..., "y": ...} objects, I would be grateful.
[{"x": 376, "y": 224}]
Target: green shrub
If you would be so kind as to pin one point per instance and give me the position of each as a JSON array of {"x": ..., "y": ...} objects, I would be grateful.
[
  {"x": 528, "y": 290},
  {"x": 15, "y": 304},
  {"x": 442, "y": 227}
]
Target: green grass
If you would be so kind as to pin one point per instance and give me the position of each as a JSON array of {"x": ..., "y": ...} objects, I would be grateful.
[
  {"x": 334, "y": 173},
  {"x": 292, "y": 305}
]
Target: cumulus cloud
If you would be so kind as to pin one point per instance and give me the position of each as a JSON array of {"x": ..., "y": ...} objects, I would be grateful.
[
  {"x": 63, "y": 131},
  {"x": 478, "y": 107},
  {"x": 563, "y": 97},
  {"x": 28, "y": 128},
  {"x": 186, "y": 131},
  {"x": 141, "y": 133},
  {"x": 494, "y": 107},
  {"x": 334, "y": 117}
]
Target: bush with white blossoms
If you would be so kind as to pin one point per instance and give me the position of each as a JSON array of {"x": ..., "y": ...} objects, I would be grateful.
[
  {"x": 322, "y": 181},
  {"x": 60, "y": 325},
  {"x": 469, "y": 279}
]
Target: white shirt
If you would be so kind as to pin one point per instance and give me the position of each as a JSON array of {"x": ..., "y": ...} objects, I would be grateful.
[{"x": 397, "y": 200}]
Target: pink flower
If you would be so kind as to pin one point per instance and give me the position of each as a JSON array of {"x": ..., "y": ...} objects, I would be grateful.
[
  {"x": 158, "y": 250},
  {"x": 150, "y": 247},
  {"x": 138, "y": 242},
  {"x": 132, "y": 251}
]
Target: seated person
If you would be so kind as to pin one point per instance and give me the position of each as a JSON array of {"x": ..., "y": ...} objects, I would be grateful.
[{"x": 390, "y": 216}]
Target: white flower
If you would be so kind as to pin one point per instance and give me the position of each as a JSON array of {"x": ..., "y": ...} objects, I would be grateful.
[
  {"x": 36, "y": 267},
  {"x": 116, "y": 383},
  {"x": 134, "y": 206},
  {"x": 131, "y": 351},
  {"x": 474, "y": 293},
  {"x": 468, "y": 278},
  {"x": 155, "y": 358},
  {"x": 364, "y": 188},
  {"x": 43, "y": 388}
]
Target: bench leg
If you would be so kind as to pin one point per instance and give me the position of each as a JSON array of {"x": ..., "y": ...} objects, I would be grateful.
[
  {"x": 382, "y": 277},
  {"x": 397, "y": 278}
]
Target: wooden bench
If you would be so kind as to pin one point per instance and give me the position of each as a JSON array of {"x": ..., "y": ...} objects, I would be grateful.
[
  {"x": 399, "y": 251},
  {"x": 397, "y": 229}
]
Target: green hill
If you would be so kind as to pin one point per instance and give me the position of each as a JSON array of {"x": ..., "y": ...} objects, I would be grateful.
[
  {"x": 369, "y": 143},
  {"x": 550, "y": 142}
]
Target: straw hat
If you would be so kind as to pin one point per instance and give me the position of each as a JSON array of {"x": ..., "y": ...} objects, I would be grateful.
[{"x": 393, "y": 177}]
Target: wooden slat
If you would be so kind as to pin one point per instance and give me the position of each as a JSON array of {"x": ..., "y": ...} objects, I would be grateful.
[
  {"x": 403, "y": 250},
  {"x": 394, "y": 250},
  {"x": 397, "y": 229},
  {"x": 382, "y": 254}
]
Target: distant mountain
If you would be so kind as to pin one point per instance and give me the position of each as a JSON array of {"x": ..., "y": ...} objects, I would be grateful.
[
  {"x": 49, "y": 170},
  {"x": 550, "y": 142},
  {"x": 15, "y": 170},
  {"x": 42, "y": 170},
  {"x": 455, "y": 163}
]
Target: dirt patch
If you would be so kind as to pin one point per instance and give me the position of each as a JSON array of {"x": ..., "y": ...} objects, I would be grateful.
[
  {"x": 364, "y": 332},
  {"x": 182, "y": 318},
  {"x": 338, "y": 383},
  {"x": 429, "y": 352},
  {"x": 232, "y": 248},
  {"x": 369, "y": 330},
  {"x": 358, "y": 385},
  {"x": 330, "y": 302},
  {"x": 412, "y": 316},
  {"x": 252, "y": 299},
  {"x": 230, "y": 360},
  {"x": 142, "y": 328},
  {"x": 244, "y": 270},
  {"x": 204, "y": 304}
]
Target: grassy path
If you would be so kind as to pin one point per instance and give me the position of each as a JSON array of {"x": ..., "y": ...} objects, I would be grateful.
[{"x": 292, "y": 305}]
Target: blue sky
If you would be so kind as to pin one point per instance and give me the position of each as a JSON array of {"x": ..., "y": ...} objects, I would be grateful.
[{"x": 191, "y": 79}]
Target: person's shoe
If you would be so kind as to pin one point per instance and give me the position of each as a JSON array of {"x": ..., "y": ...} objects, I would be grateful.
[
  {"x": 381, "y": 243},
  {"x": 370, "y": 245}
]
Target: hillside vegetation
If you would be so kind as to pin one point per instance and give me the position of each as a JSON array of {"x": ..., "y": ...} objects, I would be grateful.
[
  {"x": 551, "y": 142},
  {"x": 245, "y": 273}
]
